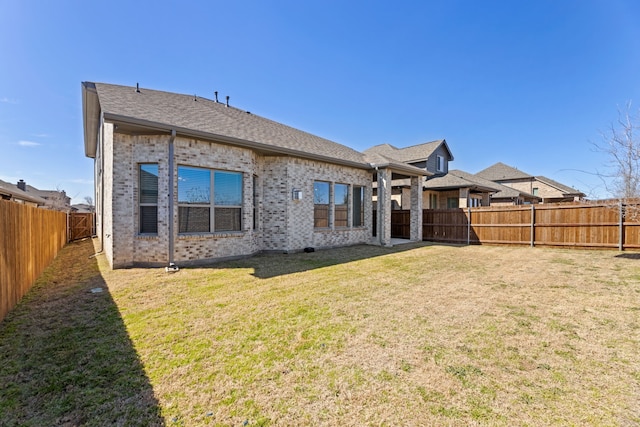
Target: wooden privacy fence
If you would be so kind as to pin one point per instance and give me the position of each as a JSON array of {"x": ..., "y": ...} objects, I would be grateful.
[
  {"x": 30, "y": 238},
  {"x": 574, "y": 225}
]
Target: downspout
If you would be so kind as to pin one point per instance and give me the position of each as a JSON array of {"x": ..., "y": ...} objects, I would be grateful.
[
  {"x": 379, "y": 206},
  {"x": 101, "y": 173},
  {"x": 171, "y": 193}
]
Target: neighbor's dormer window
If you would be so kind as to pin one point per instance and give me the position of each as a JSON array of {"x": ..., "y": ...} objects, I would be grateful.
[{"x": 440, "y": 163}]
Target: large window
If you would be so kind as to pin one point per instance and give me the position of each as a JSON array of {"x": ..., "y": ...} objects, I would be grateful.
[
  {"x": 148, "y": 199},
  {"x": 198, "y": 211},
  {"x": 341, "y": 205},
  {"x": 320, "y": 204},
  {"x": 358, "y": 206}
]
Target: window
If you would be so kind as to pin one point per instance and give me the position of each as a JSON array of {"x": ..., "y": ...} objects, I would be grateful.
[
  {"x": 198, "y": 212},
  {"x": 440, "y": 163},
  {"x": 433, "y": 201},
  {"x": 341, "y": 202},
  {"x": 320, "y": 204},
  {"x": 358, "y": 206},
  {"x": 535, "y": 191},
  {"x": 148, "y": 217},
  {"x": 452, "y": 203},
  {"x": 255, "y": 202}
]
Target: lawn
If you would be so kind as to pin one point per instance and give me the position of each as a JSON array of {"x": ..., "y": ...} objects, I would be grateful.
[{"x": 415, "y": 335}]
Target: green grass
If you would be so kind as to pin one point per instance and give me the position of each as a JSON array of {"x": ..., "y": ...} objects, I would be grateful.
[{"x": 416, "y": 335}]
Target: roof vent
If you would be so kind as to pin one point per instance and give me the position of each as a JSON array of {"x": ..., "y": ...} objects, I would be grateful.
[
  {"x": 227, "y": 100},
  {"x": 195, "y": 97},
  {"x": 137, "y": 88},
  {"x": 216, "y": 94}
]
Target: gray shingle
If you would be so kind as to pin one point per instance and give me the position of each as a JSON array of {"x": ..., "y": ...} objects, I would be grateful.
[
  {"x": 412, "y": 154},
  {"x": 216, "y": 119},
  {"x": 500, "y": 172}
]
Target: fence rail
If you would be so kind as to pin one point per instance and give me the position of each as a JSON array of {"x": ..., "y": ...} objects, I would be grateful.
[
  {"x": 30, "y": 238},
  {"x": 580, "y": 225}
]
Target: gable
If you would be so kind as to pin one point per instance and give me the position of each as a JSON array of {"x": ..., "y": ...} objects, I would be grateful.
[{"x": 414, "y": 154}]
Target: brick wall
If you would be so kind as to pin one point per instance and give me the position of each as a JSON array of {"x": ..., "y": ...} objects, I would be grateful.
[{"x": 282, "y": 224}]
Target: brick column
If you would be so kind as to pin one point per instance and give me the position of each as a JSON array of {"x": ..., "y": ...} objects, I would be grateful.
[
  {"x": 384, "y": 207},
  {"x": 416, "y": 209}
]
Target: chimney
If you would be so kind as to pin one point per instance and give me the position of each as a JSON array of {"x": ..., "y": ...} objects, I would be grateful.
[{"x": 22, "y": 185}]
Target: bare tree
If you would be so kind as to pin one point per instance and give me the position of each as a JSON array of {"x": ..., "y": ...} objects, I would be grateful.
[
  {"x": 89, "y": 201},
  {"x": 621, "y": 145}
]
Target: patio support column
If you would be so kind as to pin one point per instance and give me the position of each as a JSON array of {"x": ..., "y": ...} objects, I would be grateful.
[
  {"x": 384, "y": 207},
  {"x": 416, "y": 209}
]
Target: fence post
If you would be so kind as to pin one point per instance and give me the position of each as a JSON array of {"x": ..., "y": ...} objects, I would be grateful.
[
  {"x": 621, "y": 227},
  {"x": 533, "y": 225},
  {"x": 469, "y": 226}
]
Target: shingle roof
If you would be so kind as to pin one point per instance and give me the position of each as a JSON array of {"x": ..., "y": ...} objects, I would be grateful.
[
  {"x": 566, "y": 190},
  {"x": 501, "y": 172},
  {"x": 12, "y": 190},
  {"x": 460, "y": 179},
  {"x": 414, "y": 153},
  {"x": 208, "y": 119}
]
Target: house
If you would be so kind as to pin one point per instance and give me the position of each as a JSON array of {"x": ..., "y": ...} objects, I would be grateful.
[
  {"x": 433, "y": 157},
  {"x": 17, "y": 193},
  {"x": 460, "y": 189},
  {"x": 54, "y": 199},
  {"x": 186, "y": 179},
  {"x": 547, "y": 190}
]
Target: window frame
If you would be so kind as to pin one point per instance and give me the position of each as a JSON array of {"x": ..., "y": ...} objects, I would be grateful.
[
  {"x": 316, "y": 218},
  {"x": 146, "y": 204},
  {"x": 439, "y": 163},
  {"x": 344, "y": 223},
  {"x": 211, "y": 205},
  {"x": 360, "y": 217}
]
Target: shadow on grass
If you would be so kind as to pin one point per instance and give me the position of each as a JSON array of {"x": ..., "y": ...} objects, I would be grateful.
[
  {"x": 65, "y": 356},
  {"x": 272, "y": 265},
  {"x": 629, "y": 255}
]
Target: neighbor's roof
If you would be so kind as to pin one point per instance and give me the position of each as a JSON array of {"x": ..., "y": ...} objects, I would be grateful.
[
  {"x": 566, "y": 190},
  {"x": 501, "y": 172},
  {"x": 13, "y": 191},
  {"x": 460, "y": 179},
  {"x": 199, "y": 117},
  {"x": 412, "y": 154}
]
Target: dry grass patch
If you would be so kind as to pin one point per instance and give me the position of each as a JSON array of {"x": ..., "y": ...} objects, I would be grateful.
[{"x": 419, "y": 334}]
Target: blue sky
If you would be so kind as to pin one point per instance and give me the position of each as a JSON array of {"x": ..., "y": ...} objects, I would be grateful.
[{"x": 527, "y": 83}]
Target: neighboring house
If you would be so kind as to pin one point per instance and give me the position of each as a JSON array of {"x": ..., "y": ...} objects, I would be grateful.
[
  {"x": 82, "y": 208},
  {"x": 459, "y": 189},
  {"x": 55, "y": 199},
  {"x": 185, "y": 179},
  {"x": 17, "y": 193},
  {"x": 547, "y": 190},
  {"x": 433, "y": 157}
]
